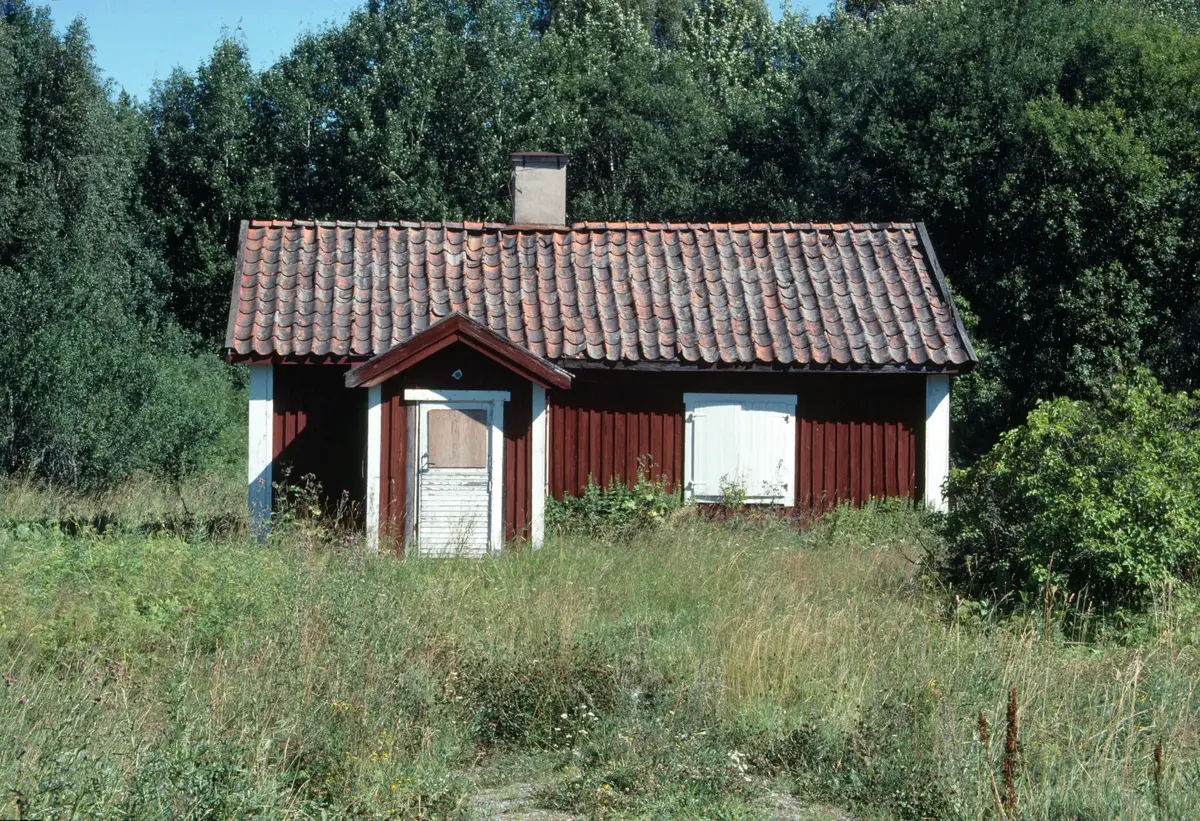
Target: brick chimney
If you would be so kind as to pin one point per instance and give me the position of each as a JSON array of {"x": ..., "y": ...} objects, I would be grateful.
[{"x": 539, "y": 188}]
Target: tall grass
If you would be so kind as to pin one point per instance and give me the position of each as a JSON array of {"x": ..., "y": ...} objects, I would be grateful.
[
  {"x": 214, "y": 501},
  {"x": 687, "y": 673}
]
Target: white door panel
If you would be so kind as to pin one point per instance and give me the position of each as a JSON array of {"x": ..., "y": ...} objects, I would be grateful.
[{"x": 453, "y": 478}]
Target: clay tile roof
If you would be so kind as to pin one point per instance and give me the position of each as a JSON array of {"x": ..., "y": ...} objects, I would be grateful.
[{"x": 798, "y": 294}]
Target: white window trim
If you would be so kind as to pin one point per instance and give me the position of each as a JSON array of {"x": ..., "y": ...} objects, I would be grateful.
[
  {"x": 693, "y": 400},
  {"x": 539, "y": 474},
  {"x": 937, "y": 440},
  {"x": 374, "y": 463},
  {"x": 260, "y": 448},
  {"x": 496, "y": 400},
  {"x": 424, "y": 395}
]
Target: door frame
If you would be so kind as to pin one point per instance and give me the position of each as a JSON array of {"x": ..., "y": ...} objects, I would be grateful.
[{"x": 495, "y": 400}]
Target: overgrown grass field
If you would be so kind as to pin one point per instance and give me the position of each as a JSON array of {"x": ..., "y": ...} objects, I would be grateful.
[{"x": 699, "y": 670}]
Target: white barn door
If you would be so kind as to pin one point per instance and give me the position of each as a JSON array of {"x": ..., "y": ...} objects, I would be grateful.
[{"x": 454, "y": 484}]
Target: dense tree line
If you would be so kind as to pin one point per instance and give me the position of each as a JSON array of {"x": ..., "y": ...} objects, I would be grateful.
[
  {"x": 1052, "y": 146},
  {"x": 97, "y": 380}
]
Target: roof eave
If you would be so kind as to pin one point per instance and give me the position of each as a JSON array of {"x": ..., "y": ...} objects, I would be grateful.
[
  {"x": 940, "y": 280},
  {"x": 235, "y": 292}
]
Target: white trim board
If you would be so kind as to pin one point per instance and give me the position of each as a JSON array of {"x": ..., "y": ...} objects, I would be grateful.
[
  {"x": 496, "y": 463},
  {"x": 538, "y": 472},
  {"x": 260, "y": 450},
  {"x": 424, "y": 395},
  {"x": 374, "y": 463},
  {"x": 788, "y": 400},
  {"x": 937, "y": 440}
]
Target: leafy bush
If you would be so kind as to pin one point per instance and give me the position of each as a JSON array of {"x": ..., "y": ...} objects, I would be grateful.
[
  {"x": 1096, "y": 500},
  {"x": 616, "y": 511}
]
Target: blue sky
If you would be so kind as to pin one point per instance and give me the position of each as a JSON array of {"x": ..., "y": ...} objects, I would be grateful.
[{"x": 137, "y": 41}]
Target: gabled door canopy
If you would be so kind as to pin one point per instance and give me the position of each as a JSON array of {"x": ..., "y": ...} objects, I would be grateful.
[{"x": 442, "y": 334}]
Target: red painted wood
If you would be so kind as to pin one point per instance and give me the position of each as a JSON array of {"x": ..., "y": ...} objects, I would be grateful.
[
  {"x": 594, "y": 445},
  {"x": 607, "y": 445},
  {"x": 804, "y": 463},
  {"x": 461, "y": 331},
  {"x": 319, "y": 431},
  {"x": 517, "y": 447},
  {"x": 855, "y": 488},
  {"x": 843, "y": 460},
  {"x": 857, "y": 436},
  {"x": 623, "y": 465},
  {"x": 393, "y": 468},
  {"x": 889, "y": 457},
  {"x": 879, "y": 484}
]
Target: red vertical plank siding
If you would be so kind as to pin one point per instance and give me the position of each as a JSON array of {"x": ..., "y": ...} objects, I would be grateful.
[
  {"x": 857, "y": 436},
  {"x": 843, "y": 460},
  {"x": 912, "y": 462},
  {"x": 644, "y": 441},
  {"x": 396, "y": 489},
  {"x": 855, "y": 487},
  {"x": 617, "y": 428},
  {"x": 622, "y": 466},
  {"x": 879, "y": 485},
  {"x": 565, "y": 469},
  {"x": 672, "y": 443},
  {"x": 594, "y": 458},
  {"x": 864, "y": 475},
  {"x": 818, "y": 465},
  {"x": 607, "y": 445},
  {"x": 889, "y": 456},
  {"x": 630, "y": 441},
  {"x": 319, "y": 431},
  {"x": 517, "y": 452},
  {"x": 393, "y": 467},
  {"x": 582, "y": 448},
  {"x": 804, "y": 463}
]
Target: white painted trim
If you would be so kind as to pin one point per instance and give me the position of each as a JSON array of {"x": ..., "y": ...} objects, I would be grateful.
[
  {"x": 423, "y": 395},
  {"x": 260, "y": 448},
  {"x": 374, "y": 462},
  {"x": 539, "y": 486},
  {"x": 937, "y": 440},
  {"x": 787, "y": 400},
  {"x": 496, "y": 480}
]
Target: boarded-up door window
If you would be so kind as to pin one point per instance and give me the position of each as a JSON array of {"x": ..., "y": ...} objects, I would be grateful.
[{"x": 458, "y": 438}]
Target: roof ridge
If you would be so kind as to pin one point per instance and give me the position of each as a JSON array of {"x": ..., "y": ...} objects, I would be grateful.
[{"x": 588, "y": 225}]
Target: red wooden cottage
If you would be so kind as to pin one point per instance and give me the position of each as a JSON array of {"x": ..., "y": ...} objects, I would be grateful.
[{"x": 451, "y": 376}]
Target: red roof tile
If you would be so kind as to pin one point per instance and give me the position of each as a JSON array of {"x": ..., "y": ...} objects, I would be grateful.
[{"x": 849, "y": 295}]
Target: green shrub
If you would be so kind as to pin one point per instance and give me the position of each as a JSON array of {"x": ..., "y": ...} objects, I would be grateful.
[
  {"x": 616, "y": 511},
  {"x": 1094, "y": 502}
]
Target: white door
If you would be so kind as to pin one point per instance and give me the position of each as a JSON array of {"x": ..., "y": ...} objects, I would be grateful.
[{"x": 453, "y": 478}]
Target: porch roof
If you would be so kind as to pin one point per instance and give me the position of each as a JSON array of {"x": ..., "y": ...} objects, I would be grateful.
[{"x": 458, "y": 328}]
